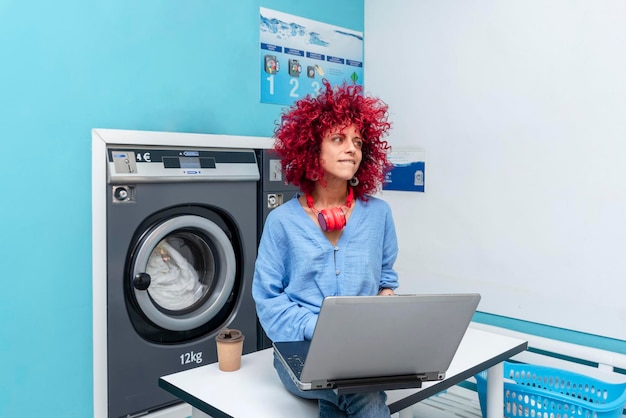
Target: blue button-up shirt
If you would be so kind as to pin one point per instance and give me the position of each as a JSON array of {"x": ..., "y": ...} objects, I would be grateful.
[{"x": 297, "y": 266}]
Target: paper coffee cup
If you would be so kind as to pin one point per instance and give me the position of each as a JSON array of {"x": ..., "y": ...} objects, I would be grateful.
[{"x": 229, "y": 349}]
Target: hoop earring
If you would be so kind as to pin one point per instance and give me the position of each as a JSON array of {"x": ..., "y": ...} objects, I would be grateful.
[{"x": 354, "y": 181}]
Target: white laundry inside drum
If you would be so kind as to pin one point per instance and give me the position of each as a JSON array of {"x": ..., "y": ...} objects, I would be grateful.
[{"x": 174, "y": 281}]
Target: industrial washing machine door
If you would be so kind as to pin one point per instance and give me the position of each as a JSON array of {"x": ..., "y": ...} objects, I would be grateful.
[{"x": 183, "y": 272}]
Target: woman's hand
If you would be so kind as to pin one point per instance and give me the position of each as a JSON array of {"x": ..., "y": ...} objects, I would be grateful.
[{"x": 385, "y": 292}]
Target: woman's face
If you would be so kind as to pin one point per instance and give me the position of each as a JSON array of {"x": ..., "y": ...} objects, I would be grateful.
[{"x": 341, "y": 152}]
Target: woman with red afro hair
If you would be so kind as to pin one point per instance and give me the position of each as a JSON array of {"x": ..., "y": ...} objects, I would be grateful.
[
  {"x": 299, "y": 136},
  {"x": 334, "y": 238}
]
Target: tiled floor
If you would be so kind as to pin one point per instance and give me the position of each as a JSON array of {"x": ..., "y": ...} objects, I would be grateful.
[
  {"x": 456, "y": 402},
  {"x": 178, "y": 411}
]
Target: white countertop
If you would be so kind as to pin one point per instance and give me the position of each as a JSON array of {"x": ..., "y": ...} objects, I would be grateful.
[{"x": 256, "y": 390}]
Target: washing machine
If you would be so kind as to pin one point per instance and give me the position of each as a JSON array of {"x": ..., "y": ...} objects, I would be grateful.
[
  {"x": 273, "y": 192},
  {"x": 181, "y": 240}
]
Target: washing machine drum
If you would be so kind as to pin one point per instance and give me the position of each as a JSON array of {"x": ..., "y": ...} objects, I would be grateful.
[{"x": 183, "y": 273}]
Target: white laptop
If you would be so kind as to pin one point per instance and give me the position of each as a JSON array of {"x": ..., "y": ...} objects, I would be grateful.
[{"x": 364, "y": 343}]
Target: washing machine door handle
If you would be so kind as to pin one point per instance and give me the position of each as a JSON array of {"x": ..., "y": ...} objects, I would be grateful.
[{"x": 141, "y": 281}]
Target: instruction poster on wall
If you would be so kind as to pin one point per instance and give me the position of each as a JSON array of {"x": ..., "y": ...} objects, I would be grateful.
[
  {"x": 408, "y": 172},
  {"x": 297, "y": 53}
]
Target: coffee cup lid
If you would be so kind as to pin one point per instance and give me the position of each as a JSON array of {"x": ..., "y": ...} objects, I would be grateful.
[{"x": 227, "y": 335}]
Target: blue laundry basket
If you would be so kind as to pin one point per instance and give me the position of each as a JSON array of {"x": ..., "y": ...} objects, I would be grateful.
[{"x": 545, "y": 392}]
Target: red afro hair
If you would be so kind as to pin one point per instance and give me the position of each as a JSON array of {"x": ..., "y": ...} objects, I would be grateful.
[{"x": 299, "y": 134}]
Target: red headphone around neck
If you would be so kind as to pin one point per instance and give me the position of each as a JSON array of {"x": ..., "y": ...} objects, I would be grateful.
[{"x": 333, "y": 219}]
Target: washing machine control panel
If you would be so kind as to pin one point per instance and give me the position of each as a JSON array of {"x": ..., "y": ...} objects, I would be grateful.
[{"x": 148, "y": 164}]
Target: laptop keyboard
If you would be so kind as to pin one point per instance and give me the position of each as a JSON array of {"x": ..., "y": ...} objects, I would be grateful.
[{"x": 296, "y": 363}]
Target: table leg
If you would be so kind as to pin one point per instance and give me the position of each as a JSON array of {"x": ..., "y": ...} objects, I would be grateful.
[{"x": 495, "y": 391}]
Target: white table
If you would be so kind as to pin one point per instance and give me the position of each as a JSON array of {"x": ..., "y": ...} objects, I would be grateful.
[{"x": 255, "y": 389}]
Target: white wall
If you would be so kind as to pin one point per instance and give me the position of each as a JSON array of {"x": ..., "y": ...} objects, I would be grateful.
[{"x": 521, "y": 109}]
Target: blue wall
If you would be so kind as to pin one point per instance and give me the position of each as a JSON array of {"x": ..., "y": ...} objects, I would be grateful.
[{"x": 69, "y": 66}]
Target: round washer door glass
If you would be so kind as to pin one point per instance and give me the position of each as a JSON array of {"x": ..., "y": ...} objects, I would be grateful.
[{"x": 184, "y": 272}]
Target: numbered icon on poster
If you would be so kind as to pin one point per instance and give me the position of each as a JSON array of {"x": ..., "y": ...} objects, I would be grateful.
[
  {"x": 272, "y": 66},
  {"x": 294, "y": 68}
]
